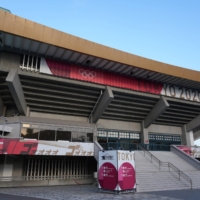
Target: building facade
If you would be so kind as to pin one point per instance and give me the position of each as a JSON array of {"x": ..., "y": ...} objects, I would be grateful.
[{"x": 59, "y": 94}]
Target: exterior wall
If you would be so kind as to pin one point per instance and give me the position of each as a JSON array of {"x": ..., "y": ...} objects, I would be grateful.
[
  {"x": 197, "y": 135},
  {"x": 18, "y": 166},
  {"x": 15, "y": 130},
  {"x": 6, "y": 166},
  {"x": 163, "y": 129},
  {"x": 9, "y": 60},
  {"x": 133, "y": 126},
  {"x": 61, "y": 117},
  {"x": 118, "y": 125}
]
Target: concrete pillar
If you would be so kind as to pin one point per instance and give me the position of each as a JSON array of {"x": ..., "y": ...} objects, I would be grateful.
[
  {"x": 2, "y": 107},
  {"x": 107, "y": 97},
  {"x": 28, "y": 111},
  {"x": 187, "y": 137},
  {"x": 14, "y": 85},
  {"x": 6, "y": 167},
  {"x": 157, "y": 110},
  {"x": 144, "y": 134},
  {"x": 18, "y": 166}
]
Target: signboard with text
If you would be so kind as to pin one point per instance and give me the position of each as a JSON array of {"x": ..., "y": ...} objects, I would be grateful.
[
  {"x": 116, "y": 170},
  {"x": 103, "y": 77}
]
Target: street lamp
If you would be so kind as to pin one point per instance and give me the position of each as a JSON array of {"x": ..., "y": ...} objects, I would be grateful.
[{"x": 4, "y": 121}]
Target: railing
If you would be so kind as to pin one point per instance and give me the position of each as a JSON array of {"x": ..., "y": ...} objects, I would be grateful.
[
  {"x": 118, "y": 146},
  {"x": 156, "y": 147},
  {"x": 166, "y": 164},
  {"x": 134, "y": 146},
  {"x": 44, "y": 178}
]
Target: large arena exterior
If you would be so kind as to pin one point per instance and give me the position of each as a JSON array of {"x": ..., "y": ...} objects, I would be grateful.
[{"x": 62, "y": 97}]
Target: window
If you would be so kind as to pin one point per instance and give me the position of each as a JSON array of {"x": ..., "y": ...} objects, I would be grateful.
[
  {"x": 102, "y": 133},
  {"x": 63, "y": 135},
  {"x": 124, "y": 135},
  {"x": 89, "y": 137},
  {"x": 47, "y": 135},
  {"x": 30, "y": 133},
  {"x": 79, "y": 137},
  {"x": 134, "y": 135},
  {"x": 113, "y": 134}
]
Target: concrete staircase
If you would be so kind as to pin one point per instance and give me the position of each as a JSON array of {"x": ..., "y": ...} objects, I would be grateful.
[
  {"x": 184, "y": 166},
  {"x": 150, "y": 178}
]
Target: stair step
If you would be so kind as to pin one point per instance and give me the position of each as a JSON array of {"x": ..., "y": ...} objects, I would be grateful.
[{"x": 151, "y": 178}]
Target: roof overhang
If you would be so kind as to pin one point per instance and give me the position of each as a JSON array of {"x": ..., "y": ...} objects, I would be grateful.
[{"x": 26, "y": 37}]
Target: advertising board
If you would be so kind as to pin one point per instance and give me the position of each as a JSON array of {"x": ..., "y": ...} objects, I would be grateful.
[
  {"x": 39, "y": 147},
  {"x": 116, "y": 170}
]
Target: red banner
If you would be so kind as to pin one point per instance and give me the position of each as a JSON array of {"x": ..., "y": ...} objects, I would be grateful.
[
  {"x": 99, "y": 76},
  {"x": 16, "y": 146}
]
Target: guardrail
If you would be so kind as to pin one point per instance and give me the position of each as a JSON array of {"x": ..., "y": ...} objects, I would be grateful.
[
  {"x": 134, "y": 146},
  {"x": 186, "y": 156},
  {"x": 166, "y": 164},
  {"x": 44, "y": 178}
]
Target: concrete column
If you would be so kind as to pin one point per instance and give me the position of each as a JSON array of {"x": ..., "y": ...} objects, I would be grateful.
[
  {"x": 16, "y": 91},
  {"x": 187, "y": 137},
  {"x": 144, "y": 134},
  {"x": 6, "y": 167},
  {"x": 103, "y": 104},
  {"x": 95, "y": 133},
  {"x": 18, "y": 166},
  {"x": 28, "y": 111},
  {"x": 2, "y": 107},
  {"x": 157, "y": 110}
]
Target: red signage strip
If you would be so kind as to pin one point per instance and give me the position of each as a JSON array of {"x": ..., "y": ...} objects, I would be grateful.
[{"x": 83, "y": 73}]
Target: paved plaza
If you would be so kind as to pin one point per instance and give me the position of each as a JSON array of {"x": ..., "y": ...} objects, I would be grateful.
[{"x": 88, "y": 192}]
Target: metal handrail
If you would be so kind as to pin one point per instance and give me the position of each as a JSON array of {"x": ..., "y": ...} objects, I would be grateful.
[
  {"x": 57, "y": 177},
  {"x": 167, "y": 164}
]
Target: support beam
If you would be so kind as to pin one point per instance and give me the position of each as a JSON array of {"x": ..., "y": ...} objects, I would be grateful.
[
  {"x": 197, "y": 135},
  {"x": 194, "y": 124},
  {"x": 103, "y": 104},
  {"x": 144, "y": 134},
  {"x": 16, "y": 91},
  {"x": 158, "y": 109},
  {"x": 2, "y": 108},
  {"x": 187, "y": 137}
]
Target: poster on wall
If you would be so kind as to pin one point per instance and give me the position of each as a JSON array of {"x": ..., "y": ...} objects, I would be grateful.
[
  {"x": 15, "y": 146},
  {"x": 116, "y": 170}
]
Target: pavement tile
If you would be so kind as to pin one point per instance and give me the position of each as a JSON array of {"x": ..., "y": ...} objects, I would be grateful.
[{"x": 84, "y": 192}]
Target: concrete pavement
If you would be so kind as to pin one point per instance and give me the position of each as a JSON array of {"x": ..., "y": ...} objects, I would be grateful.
[{"x": 88, "y": 192}]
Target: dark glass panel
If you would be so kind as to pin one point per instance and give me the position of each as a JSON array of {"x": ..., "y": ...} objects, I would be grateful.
[
  {"x": 63, "y": 135},
  {"x": 30, "y": 133},
  {"x": 79, "y": 137},
  {"x": 47, "y": 135},
  {"x": 89, "y": 137}
]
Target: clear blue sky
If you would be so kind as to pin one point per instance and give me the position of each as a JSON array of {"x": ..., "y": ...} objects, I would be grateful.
[{"x": 163, "y": 30}]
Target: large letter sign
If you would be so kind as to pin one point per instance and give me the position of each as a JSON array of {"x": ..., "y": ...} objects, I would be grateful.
[{"x": 116, "y": 170}]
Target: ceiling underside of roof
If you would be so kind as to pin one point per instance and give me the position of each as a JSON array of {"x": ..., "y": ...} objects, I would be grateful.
[
  {"x": 65, "y": 98},
  {"x": 26, "y": 46}
]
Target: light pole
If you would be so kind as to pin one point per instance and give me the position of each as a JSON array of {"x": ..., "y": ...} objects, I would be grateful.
[{"x": 4, "y": 121}]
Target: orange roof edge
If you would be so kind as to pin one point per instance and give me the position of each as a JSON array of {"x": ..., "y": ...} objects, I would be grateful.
[{"x": 25, "y": 28}]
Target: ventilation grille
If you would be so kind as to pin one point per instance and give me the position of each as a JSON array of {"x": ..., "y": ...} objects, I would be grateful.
[{"x": 31, "y": 63}]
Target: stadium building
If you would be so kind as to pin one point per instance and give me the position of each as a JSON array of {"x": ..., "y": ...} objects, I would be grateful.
[{"x": 62, "y": 98}]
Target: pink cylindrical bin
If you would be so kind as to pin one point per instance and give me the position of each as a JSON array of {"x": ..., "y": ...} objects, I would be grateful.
[{"x": 117, "y": 170}]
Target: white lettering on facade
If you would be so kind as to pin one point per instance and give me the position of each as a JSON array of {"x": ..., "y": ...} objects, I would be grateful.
[{"x": 181, "y": 93}]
